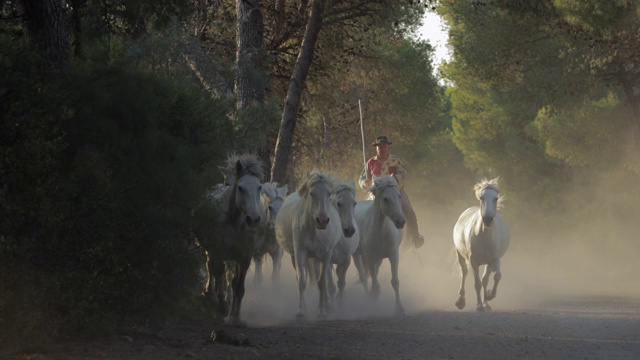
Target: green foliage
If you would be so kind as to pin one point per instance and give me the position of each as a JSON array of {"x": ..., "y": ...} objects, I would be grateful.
[
  {"x": 101, "y": 169},
  {"x": 545, "y": 95},
  {"x": 576, "y": 135}
]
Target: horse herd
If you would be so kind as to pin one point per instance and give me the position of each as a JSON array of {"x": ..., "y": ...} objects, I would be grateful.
[{"x": 323, "y": 229}]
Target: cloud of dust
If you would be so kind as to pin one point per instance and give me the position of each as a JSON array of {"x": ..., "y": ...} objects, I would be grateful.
[{"x": 572, "y": 256}]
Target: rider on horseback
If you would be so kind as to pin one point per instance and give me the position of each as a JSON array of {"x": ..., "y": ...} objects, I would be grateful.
[{"x": 385, "y": 163}]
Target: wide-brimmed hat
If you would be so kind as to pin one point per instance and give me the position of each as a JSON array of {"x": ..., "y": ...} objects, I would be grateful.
[{"x": 381, "y": 140}]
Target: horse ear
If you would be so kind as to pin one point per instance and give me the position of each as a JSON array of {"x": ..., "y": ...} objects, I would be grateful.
[
  {"x": 284, "y": 189},
  {"x": 238, "y": 166},
  {"x": 268, "y": 190},
  {"x": 302, "y": 190},
  {"x": 352, "y": 186}
]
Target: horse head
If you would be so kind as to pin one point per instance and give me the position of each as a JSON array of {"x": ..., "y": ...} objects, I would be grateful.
[
  {"x": 343, "y": 200},
  {"x": 272, "y": 200},
  {"x": 488, "y": 192},
  {"x": 387, "y": 196},
  {"x": 316, "y": 191},
  {"x": 246, "y": 190}
]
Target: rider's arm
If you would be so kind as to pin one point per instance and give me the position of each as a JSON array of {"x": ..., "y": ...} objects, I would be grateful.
[
  {"x": 400, "y": 173},
  {"x": 365, "y": 177}
]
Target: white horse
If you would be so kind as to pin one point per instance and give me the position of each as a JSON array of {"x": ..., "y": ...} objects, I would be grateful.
[
  {"x": 272, "y": 198},
  {"x": 380, "y": 222},
  {"x": 481, "y": 237},
  {"x": 343, "y": 200},
  {"x": 308, "y": 226},
  {"x": 231, "y": 247}
]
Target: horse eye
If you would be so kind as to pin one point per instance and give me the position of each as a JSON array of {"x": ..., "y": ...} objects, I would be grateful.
[
  {"x": 339, "y": 204},
  {"x": 240, "y": 188}
]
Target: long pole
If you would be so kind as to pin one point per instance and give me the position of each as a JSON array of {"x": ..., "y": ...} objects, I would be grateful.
[{"x": 364, "y": 154}]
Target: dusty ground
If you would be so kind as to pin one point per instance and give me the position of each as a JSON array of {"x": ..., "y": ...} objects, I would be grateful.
[{"x": 595, "y": 328}]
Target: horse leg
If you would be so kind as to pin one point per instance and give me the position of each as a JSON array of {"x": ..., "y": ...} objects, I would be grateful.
[
  {"x": 460, "y": 303},
  {"x": 478, "y": 286},
  {"x": 491, "y": 294},
  {"x": 231, "y": 276},
  {"x": 240, "y": 269},
  {"x": 485, "y": 285},
  {"x": 341, "y": 272},
  {"x": 257, "y": 279},
  {"x": 276, "y": 256},
  {"x": 395, "y": 282},
  {"x": 325, "y": 267},
  {"x": 230, "y": 272},
  {"x": 331, "y": 283},
  {"x": 216, "y": 270},
  {"x": 208, "y": 287},
  {"x": 375, "y": 285},
  {"x": 362, "y": 273},
  {"x": 300, "y": 259}
]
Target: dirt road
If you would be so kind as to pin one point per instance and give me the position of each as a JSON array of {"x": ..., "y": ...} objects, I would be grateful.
[{"x": 594, "y": 328}]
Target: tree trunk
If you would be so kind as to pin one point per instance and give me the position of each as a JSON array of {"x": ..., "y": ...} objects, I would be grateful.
[
  {"x": 44, "y": 20},
  {"x": 249, "y": 87},
  {"x": 77, "y": 6},
  {"x": 292, "y": 103},
  {"x": 249, "y": 33}
]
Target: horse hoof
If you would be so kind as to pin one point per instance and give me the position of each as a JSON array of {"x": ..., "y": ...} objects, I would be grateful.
[
  {"x": 300, "y": 316},
  {"x": 375, "y": 294},
  {"x": 460, "y": 303},
  {"x": 480, "y": 308},
  {"x": 400, "y": 311},
  {"x": 487, "y": 307}
]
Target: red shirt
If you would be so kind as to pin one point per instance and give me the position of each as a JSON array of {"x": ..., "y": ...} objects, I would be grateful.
[{"x": 391, "y": 166}]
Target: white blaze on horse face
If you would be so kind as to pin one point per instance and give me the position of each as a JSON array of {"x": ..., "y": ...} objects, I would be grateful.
[
  {"x": 488, "y": 206},
  {"x": 320, "y": 194},
  {"x": 248, "y": 198}
]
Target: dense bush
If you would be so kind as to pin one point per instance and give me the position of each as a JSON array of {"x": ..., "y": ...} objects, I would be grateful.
[{"x": 101, "y": 169}]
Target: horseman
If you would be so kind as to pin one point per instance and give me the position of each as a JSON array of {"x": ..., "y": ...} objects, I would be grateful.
[{"x": 384, "y": 163}]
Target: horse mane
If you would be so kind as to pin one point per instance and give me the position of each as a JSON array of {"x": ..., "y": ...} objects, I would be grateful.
[
  {"x": 492, "y": 184},
  {"x": 382, "y": 182},
  {"x": 339, "y": 186},
  {"x": 313, "y": 178},
  {"x": 251, "y": 164}
]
